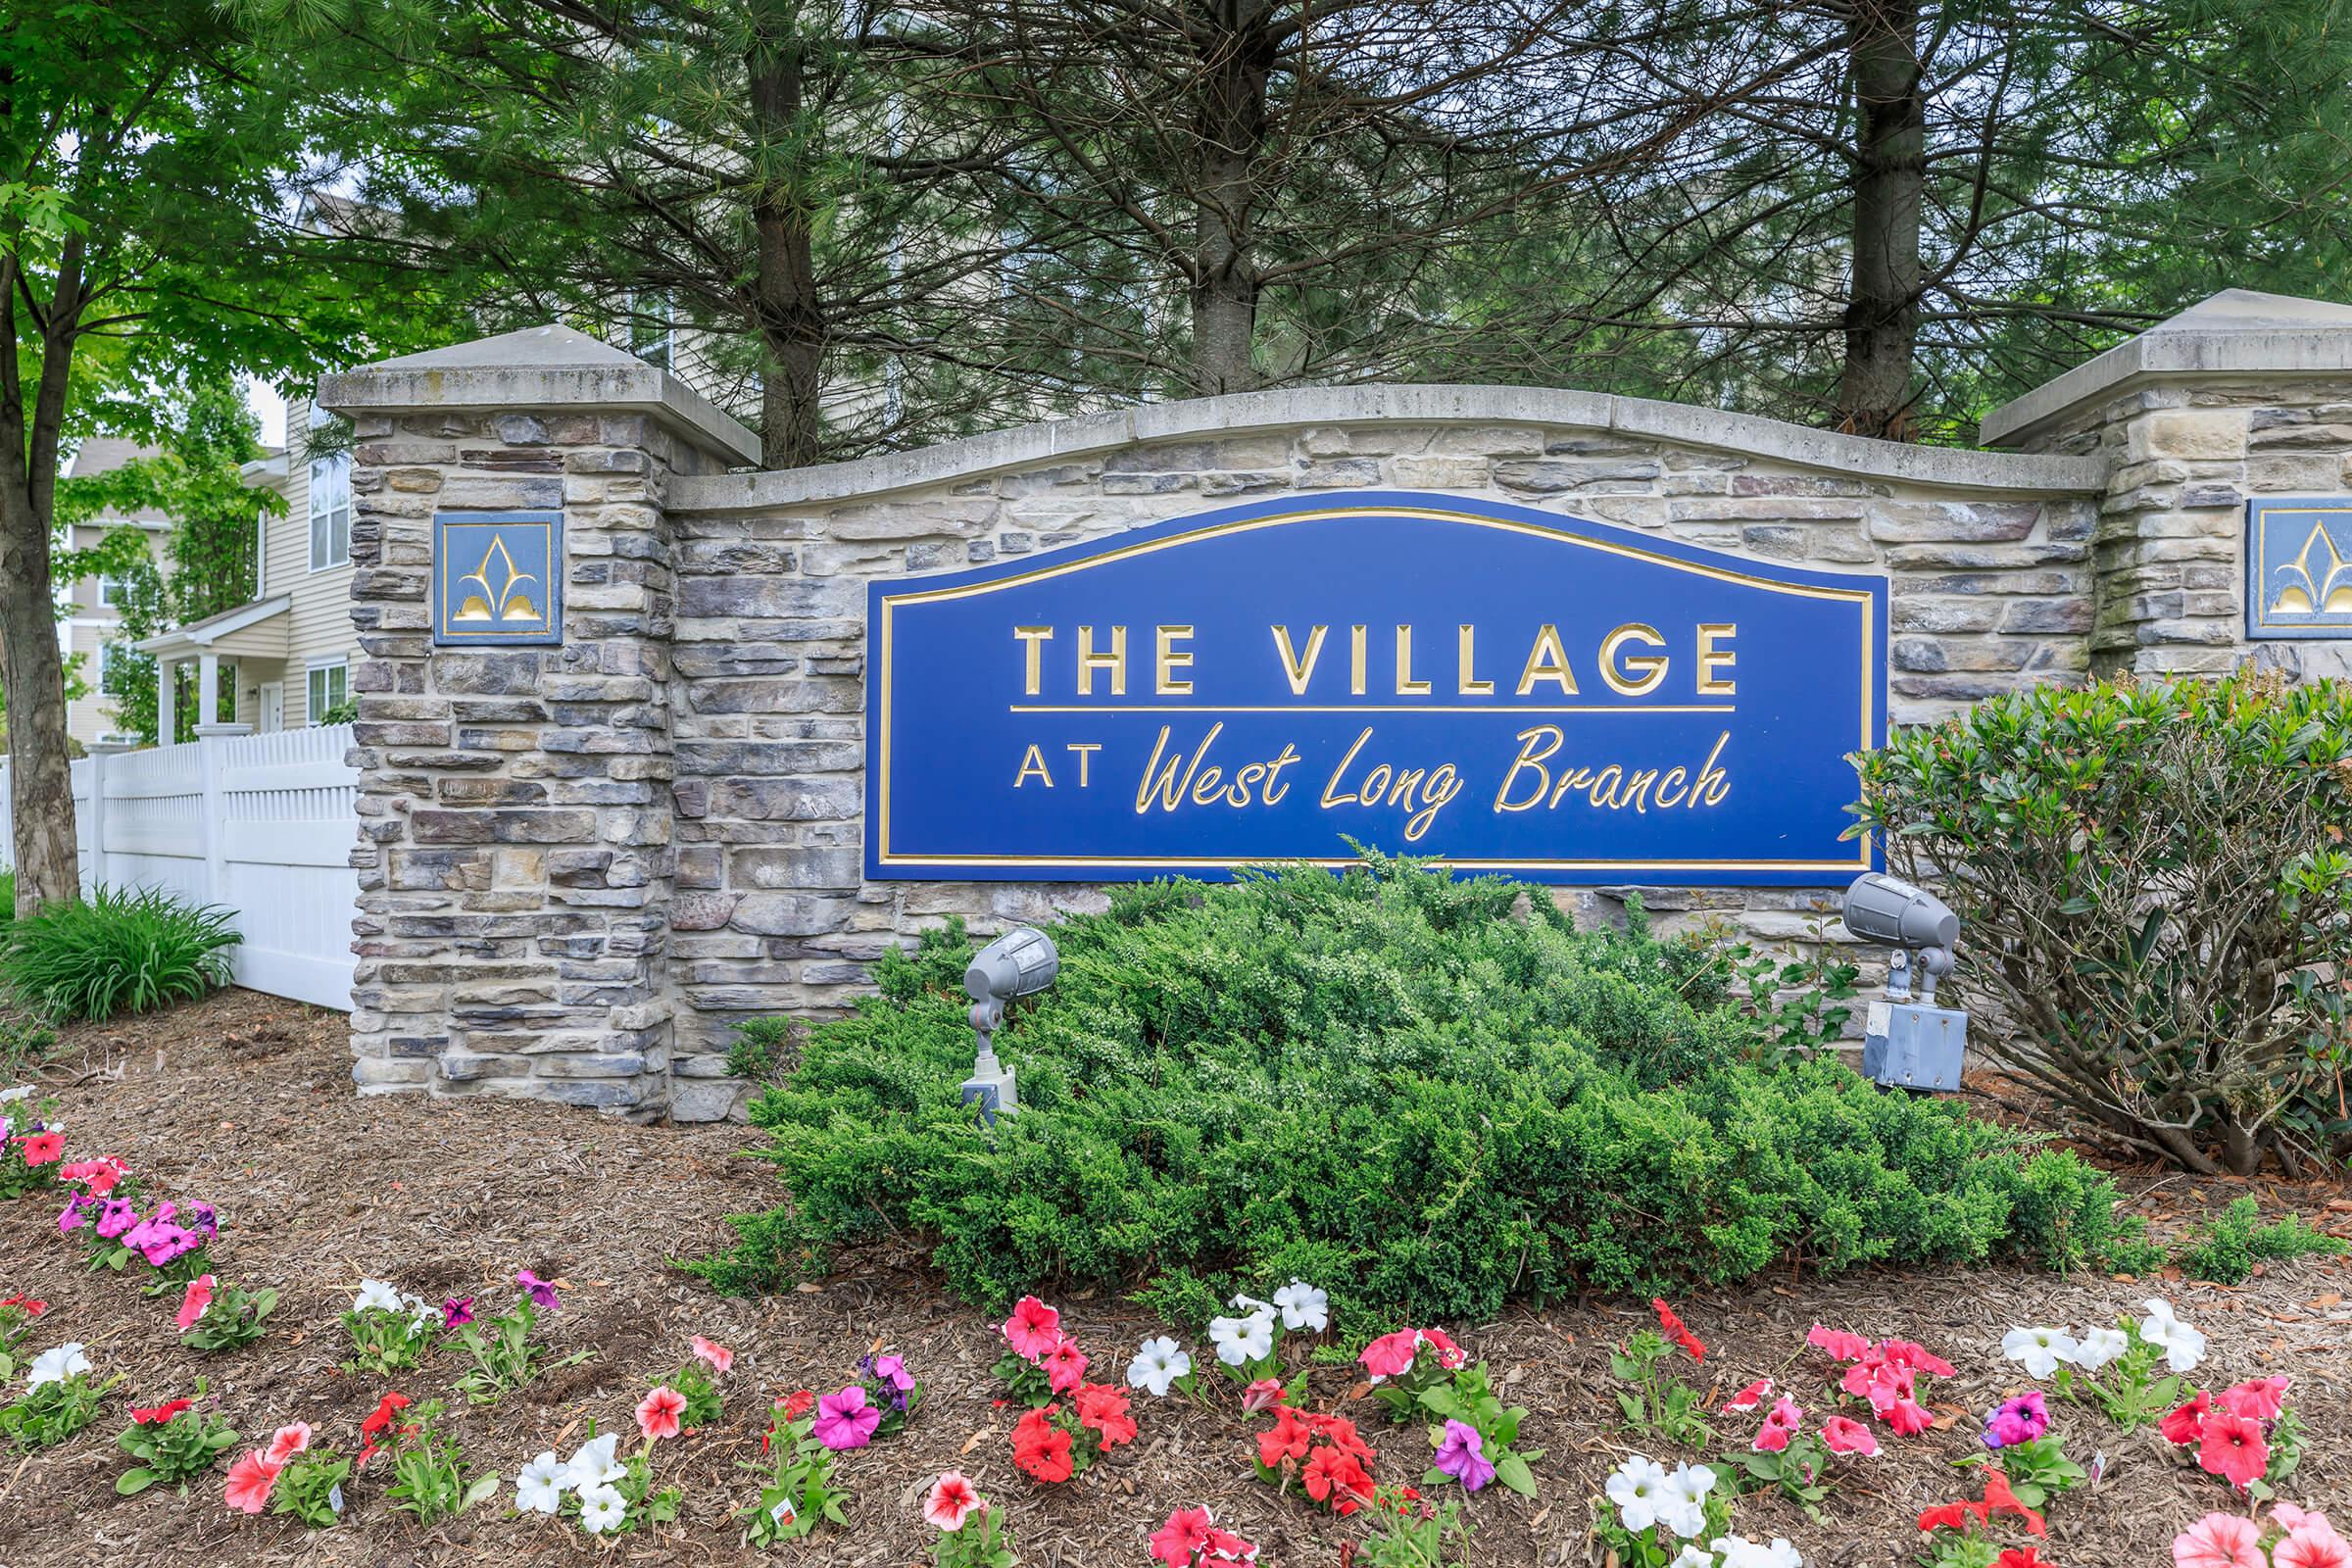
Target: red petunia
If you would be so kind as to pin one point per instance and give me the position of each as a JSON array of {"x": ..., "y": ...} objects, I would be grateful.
[
  {"x": 2185, "y": 1426},
  {"x": 390, "y": 1406},
  {"x": 1105, "y": 1410},
  {"x": 1677, "y": 1331},
  {"x": 1953, "y": 1515},
  {"x": 1286, "y": 1438},
  {"x": 2231, "y": 1446},
  {"x": 1041, "y": 1450},
  {"x": 1033, "y": 1329},
  {"x": 44, "y": 1149},
  {"x": 2022, "y": 1557},
  {"x": 796, "y": 1404},
  {"x": 1337, "y": 1478},
  {"x": 1998, "y": 1499},
  {"x": 159, "y": 1415}
]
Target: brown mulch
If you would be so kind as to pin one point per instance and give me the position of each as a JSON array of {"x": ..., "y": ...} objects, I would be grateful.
[{"x": 246, "y": 1101}]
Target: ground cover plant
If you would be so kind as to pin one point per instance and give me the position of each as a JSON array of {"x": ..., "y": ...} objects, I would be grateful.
[
  {"x": 1434, "y": 1094},
  {"x": 2153, "y": 887}
]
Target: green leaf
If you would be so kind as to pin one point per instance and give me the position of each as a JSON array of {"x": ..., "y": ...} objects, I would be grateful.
[
  {"x": 1512, "y": 1471},
  {"x": 134, "y": 1481}
]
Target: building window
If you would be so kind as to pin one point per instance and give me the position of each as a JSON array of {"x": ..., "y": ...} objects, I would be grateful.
[
  {"x": 328, "y": 689},
  {"x": 113, "y": 592},
  {"x": 109, "y": 659},
  {"x": 331, "y": 512}
]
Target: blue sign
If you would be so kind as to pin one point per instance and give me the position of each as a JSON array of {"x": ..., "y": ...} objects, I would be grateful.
[
  {"x": 498, "y": 578},
  {"x": 1498, "y": 688},
  {"x": 2299, "y": 568}
]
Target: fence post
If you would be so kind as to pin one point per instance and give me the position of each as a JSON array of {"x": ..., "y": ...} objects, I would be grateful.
[
  {"x": 97, "y": 813},
  {"x": 216, "y": 845}
]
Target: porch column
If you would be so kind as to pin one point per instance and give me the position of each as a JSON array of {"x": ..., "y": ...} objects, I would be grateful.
[
  {"x": 207, "y": 688},
  {"x": 166, "y": 720}
]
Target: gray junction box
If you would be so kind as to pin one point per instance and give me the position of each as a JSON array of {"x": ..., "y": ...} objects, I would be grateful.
[{"x": 1909, "y": 1045}]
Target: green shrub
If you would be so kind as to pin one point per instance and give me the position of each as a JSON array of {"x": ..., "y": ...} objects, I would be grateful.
[
  {"x": 2225, "y": 1248},
  {"x": 758, "y": 1053},
  {"x": 1428, "y": 1095},
  {"x": 2153, "y": 886},
  {"x": 116, "y": 952}
]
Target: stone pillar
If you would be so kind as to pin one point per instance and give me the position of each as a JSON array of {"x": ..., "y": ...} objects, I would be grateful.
[
  {"x": 516, "y": 860},
  {"x": 2243, "y": 396}
]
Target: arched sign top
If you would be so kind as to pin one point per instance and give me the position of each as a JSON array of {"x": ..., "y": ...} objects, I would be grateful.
[{"x": 1501, "y": 688}]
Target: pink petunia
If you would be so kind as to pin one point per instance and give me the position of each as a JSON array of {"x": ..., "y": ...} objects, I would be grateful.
[
  {"x": 2219, "y": 1541},
  {"x": 951, "y": 1499},
  {"x": 1186, "y": 1533},
  {"x": 249, "y": 1482},
  {"x": 659, "y": 1411},
  {"x": 287, "y": 1442},
  {"x": 1390, "y": 1356},
  {"x": 1782, "y": 1424},
  {"x": 1451, "y": 1357},
  {"x": 1749, "y": 1397},
  {"x": 1065, "y": 1366},
  {"x": 2256, "y": 1399},
  {"x": 192, "y": 1304},
  {"x": 2233, "y": 1447},
  {"x": 2311, "y": 1545},
  {"x": 1845, "y": 1435},
  {"x": 1033, "y": 1329},
  {"x": 1263, "y": 1395},
  {"x": 720, "y": 1358},
  {"x": 1840, "y": 1345}
]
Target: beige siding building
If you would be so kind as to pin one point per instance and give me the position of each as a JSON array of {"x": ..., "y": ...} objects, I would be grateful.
[
  {"x": 286, "y": 652},
  {"x": 90, "y": 608}
]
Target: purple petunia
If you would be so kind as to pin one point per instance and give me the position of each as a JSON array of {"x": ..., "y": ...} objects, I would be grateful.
[
  {"x": 1462, "y": 1456},
  {"x": 456, "y": 1311},
  {"x": 541, "y": 1292},
  {"x": 845, "y": 1420},
  {"x": 72, "y": 1219},
  {"x": 116, "y": 1215},
  {"x": 2015, "y": 1421}
]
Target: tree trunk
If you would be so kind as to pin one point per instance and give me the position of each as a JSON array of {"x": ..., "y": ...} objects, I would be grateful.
[
  {"x": 1875, "y": 393},
  {"x": 32, "y": 672},
  {"x": 785, "y": 306},
  {"x": 1237, "y": 59}
]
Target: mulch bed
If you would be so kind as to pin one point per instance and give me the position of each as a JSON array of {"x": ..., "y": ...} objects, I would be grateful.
[{"x": 246, "y": 1101}]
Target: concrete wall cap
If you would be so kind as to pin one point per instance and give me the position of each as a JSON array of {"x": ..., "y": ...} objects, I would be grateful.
[
  {"x": 549, "y": 367},
  {"x": 1245, "y": 413},
  {"x": 2237, "y": 332}
]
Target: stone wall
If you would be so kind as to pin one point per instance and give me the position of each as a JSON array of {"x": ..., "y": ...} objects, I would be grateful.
[{"x": 583, "y": 865}]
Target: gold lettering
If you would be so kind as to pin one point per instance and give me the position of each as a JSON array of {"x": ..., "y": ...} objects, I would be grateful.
[
  {"x": 1465, "y": 651},
  {"x": 1114, "y": 661},
  {"x": 1169, "y": 659},
  {"x": 1638, "y": 788},
  {"x": 1356, "y": 647},
  {"x": 1406, "y": 686},
  {"x": 1674, "y": 780},
  {"x": 1300, "y": 668},
  {"x": 1167, "y": 788},
  {"x": 1547, "y": 736},
  {"x": 1634, "y": 674},
  {"x": 1715, "y": 665},
  {"x": 1244, "y": 780},
  {"x": 1329, "y": 801},
  {"x": 1608, "y": 797},
  {"x": 1086, "y": 751},
  {"x": 1548, "y": 660},
  {"x": 1712, "y": 781},
  {"x": 1276, "y": 786},
  {"x": 1033, "y": 766},
  {"x": 1204, "y": 787},
  {"x": 1375, "y": 785},
  {"x": 1443, "y": 786},
  {"x": 1036, "y": 637}
]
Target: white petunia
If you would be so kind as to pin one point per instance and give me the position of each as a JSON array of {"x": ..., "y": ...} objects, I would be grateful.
[
  {"x": 602, "y": 1510},
  {"x": 1304, "y": 1306},
  {"x": 1157, "y": 1365},
  {"x": 1241, "y": 1340},
  {"x": 2183, "y": 1347},
  {"x": 594, "y": 1465},
  {"x": 540, "y": 1486},
  {"x": 20, "y": 1091},
  {"x": 1638, "y": 1489},
  {"x": 1251, "y": 1307},
  {"x": 376, "y": 1295},
  {"x": 1741, "y": 1553},
  {"x": 1691, "y": 1558},
  {"x": 55, "y": 1366},
  {"x": 1684, "y": 1508},
  {"x": 2040, "y": 1349},
  {"x": 2100, "y": 1346}
]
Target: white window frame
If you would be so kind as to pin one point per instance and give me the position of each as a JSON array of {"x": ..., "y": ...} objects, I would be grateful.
[
  {"x": 659, "y": 349},
  {"x": 110, "y": 590},
  {"x": 330, "y": 498},
  {"x": 313, "y": 688}
]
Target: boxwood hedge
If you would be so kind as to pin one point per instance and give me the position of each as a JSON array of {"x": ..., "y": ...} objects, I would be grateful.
[{"x": 1430, "y": 1096}]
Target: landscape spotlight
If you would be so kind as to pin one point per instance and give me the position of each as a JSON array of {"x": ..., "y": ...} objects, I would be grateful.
[
  {"x": 1019, "y": 963},
  {"x": 1908, "y": 1041}
]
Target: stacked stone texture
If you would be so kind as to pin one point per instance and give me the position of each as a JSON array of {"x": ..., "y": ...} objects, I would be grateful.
[
  {"x": 2183, "y": 457},
  {"x": 517, "y": 864},
  {"x": 1992, "y": 591}
]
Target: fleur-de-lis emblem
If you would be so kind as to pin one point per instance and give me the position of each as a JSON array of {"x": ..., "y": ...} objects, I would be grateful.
[{"x": 502, "y": 600}]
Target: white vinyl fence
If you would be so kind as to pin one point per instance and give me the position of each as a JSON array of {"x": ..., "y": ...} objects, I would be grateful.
[{"x": 261, "y": 824}]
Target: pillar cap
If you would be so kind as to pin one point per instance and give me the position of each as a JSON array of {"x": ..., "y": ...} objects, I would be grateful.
[{"x": 547, "y": 367}]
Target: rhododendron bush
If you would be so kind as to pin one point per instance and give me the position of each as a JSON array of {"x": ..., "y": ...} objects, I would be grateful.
[{"x": 1584, "y": 1109}]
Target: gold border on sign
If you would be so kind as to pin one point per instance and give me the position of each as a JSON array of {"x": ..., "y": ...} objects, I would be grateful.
[
  {"x": 447, "y": 631},
  {"x": 883, "y": 856}
]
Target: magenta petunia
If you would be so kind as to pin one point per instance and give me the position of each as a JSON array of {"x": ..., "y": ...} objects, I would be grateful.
[{"x": 845, "y": 1420}]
